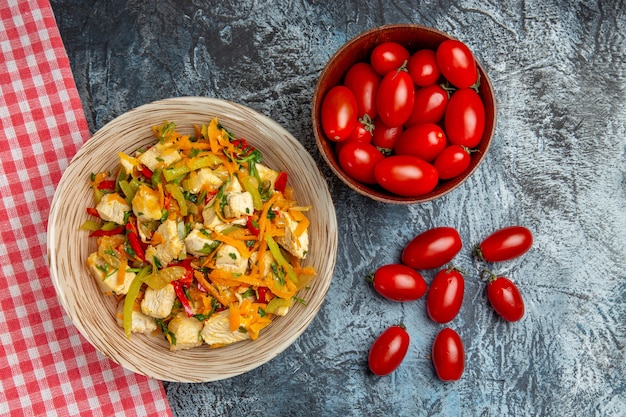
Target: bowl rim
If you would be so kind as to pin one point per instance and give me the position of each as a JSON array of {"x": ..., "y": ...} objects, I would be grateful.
[
  {"x": 378, "y": 194},
  {"x": 61, "y": 275}
]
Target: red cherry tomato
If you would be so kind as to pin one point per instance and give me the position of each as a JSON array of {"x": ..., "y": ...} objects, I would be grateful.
[
  {"x": 384, "y": 136},
  {"x": 445, "y": 295},
  {"x": 504, "y": 296},
  {"x": 388, "y": 350},
  {"x": 388, "y": 56},
  {"x": 456, "y": 62},
  {"x": 424, "y": 140},
  {"x": 362, "y": 133},
  {"x": 423, "y": 67},
  {"x": 406, "y": 175},
  {"x": 358, "y": 160},
  {"x": 399, "y": 282},
  {"x": 448, "y": 355},
  {"x": 433, "y": 248},
  {"x": 339, "y": 111},
  {"x": 452, "y": 161},
  {"x": 363, "y": 81},
  {"x": 429, "y": 105},
  {"x": 395, "y": 98},
  {"x": 465, "y": 118},
  {"x": 504, "y": 244}
]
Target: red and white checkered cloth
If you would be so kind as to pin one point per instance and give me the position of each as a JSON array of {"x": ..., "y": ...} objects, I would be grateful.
[{"x": 46, "y": 366}]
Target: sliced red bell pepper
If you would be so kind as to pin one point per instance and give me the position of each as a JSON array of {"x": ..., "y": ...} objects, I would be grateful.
[
  {"x": 93, "y": 212},
  {"x": 145, "y": 171},
  {"x": 187, "y": 279},
  {"x": 253, "y": 226},
  {"x": 98, "y": 233},
  {"x": 134, "y": 241},
  {"x": 180, "y": 293},
  {"x": 261, "y": 294},
  {"x": 107, "y": 185},
  {"x": 281, "y": 182}
]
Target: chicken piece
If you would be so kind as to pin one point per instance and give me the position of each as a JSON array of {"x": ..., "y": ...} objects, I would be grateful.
[
  {"x": 106, "y": 275},
  {"x": 158, "y": 303},
  {"x": 203, "y": 179},
  {"x": 239, "y": 204},
  {"x": 187, "y": 332},
  {"x": 160, "y": 155},
  {"x": 147, "y": 204},
  {"x": 140, "y": 322},
  {"x": 112, "y": 208},
  {"x": 210, "y": 218},
  {"x": 229, "y": 259},
  {"x": 171, "y": 245},
  {"x": 198, "y": 243},
  {"x": 267, "y": 174},
  {"x": 297, "y": 246},
  {"x": 216, "y": 331}
]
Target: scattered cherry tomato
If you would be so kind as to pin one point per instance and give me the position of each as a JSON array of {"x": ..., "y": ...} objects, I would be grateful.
[
  {"x": 424, "y": 140},
  {"x": 464, "y": 120},
  {"x": 358, "y": 160},
  {"x": 395, "y": 98},
  {"x": 433, "y": 248},
  {"x": 406, "y": 175},
  {"x": 339, "y": 111},
  {"x": 388, "y": 350},
  {"x": 423, "y": 67},
  {"x": 504, "y": 296},
  {"x": 456, "y": 63},
  {"x": 388, "y": 56},
  {"x": 429, "y": 105},
  {"x": 448, "y": 355},
  {"x": 504, "y": 244},
  {"x": 398, "y": 282},
  {"x": 385, "y": 136},
  {"x": 445, "y": 295},
  {"x": 363, "y": 81},
  {"x": 452, "y": 161}
]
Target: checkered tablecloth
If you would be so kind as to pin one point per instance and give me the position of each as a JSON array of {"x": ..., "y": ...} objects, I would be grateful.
[{"x": 46, "y": 367}]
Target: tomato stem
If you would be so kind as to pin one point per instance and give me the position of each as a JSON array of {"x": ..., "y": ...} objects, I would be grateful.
[
  {"x": 477, "y": 253},
  {"x": 487, "y": 275}
]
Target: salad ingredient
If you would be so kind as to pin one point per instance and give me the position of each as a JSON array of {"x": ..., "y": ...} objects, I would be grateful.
[
  {"x": 388, "y": 350},
  {"x": 448, "y": 355},
  {"x": 339, "y": 113},
  {"x": 433, "y": 248},
  {"x": 445, "y": 295},
  {"x": 406, "y": 175},
  {"x": 398, "y": 282},
  {"x": 504, "y": 244},
  {"x": 504, "y": 296}
]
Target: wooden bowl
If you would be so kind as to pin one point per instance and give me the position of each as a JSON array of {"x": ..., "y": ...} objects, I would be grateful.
[
  {"x": 413, "y": 37},
  {"x": 94, "y": 313}
]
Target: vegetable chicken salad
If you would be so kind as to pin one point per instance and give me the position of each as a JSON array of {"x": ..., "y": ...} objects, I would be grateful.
[{"x": 196, "y": 239}]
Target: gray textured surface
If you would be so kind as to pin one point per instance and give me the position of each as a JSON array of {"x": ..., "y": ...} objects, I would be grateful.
[{"x": 557, "y": 165}]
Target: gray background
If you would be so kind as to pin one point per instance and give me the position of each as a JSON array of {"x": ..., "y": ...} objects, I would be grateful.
[{"x": 556, "y": 165}]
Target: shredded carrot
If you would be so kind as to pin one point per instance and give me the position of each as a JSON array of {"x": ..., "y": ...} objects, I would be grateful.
[
  {"x": 263, "y": 220},
  {"x": 199, "y": 276},
  {"x": 121, "y": 272},
  {"x": 237, "y": 244},
  {"x": 235, "y": 318}
]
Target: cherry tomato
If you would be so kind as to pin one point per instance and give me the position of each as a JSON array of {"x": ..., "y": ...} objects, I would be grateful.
[
  {"x": 388, "y": 350},
  {"x": 362, "y": 133},
  {"x": 504, "y": 244},
  {"x": 384, "y": 136},
  {"x": 406, "y": 175},
  {"x": 448, "y": 355},
  {"x": 423, "y": 67},
  {"x": 465, "y": 118},
  {"x": 388, "y": 56},
  {"x": 358, "y": 160},
  {"x": 363, "y": 81},
  {"x": 339, "y": 111},
  {"x": 504, "y": 296},
  {"x": 452, "y": 161},
  {"x": 445, "y": 295},
  {"x": 395, "y": 98},
  {"x": 398, "y": 282},
  {"x": 456, "y": 63},
  {"x": 433, "y": 248},
  {"x": 429, "y": 105},
  {"x": 424, "y": 140}
]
